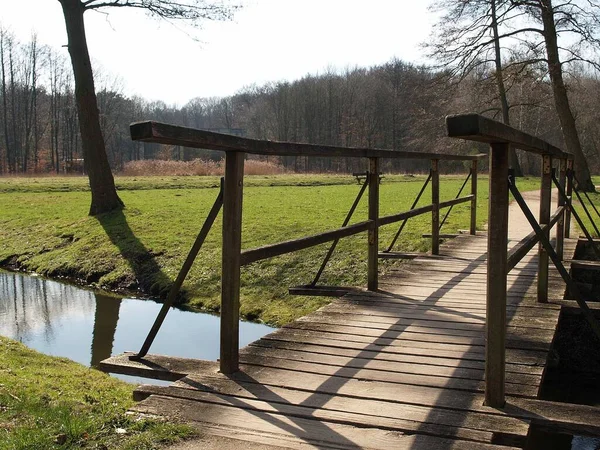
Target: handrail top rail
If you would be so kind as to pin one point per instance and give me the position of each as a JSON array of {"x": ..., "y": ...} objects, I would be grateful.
[
  {"x": 475, "y": 127},
  {"x": 162, "y": 133}
]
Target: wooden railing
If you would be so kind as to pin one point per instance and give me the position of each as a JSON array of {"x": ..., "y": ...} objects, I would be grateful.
[
  {"x": 500, "y": 262},
  {"x": 233, "y": 258}
]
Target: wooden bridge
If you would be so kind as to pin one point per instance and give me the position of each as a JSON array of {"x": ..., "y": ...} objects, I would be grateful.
[{"x": 447, "y": 351}]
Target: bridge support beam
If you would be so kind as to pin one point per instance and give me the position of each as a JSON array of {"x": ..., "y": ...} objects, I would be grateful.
[
  {"x": 560, "y": 226},
  {"x": 544, "y": 219},
  {"x": 230, "y": 269},
  {"x": 495, "y": 352},
  {"x": 435, "y": 212},
  {"x": 569, "y": 193},
  {"x": 474, "y": 170},
  {"x": 373, "y": 258}
]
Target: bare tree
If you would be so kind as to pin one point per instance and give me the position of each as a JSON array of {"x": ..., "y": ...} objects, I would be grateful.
[
  {"x": 104, "y": 194},
  {"x": 581, "y": 21},
  {"x": 468, "y": 39}
]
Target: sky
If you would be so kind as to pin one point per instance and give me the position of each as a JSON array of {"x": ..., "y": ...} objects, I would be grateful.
[{"x": 267, "y": 41}]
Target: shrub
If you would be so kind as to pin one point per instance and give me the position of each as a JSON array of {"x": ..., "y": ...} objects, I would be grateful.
[{"x": 197, "y": 167}]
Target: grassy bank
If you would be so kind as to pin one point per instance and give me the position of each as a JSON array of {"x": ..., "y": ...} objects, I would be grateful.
[
  {"x": 48, "y": 402},
  {"x": 44, "y": 228}
]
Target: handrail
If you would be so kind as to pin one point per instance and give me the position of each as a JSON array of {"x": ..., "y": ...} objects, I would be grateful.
[
  {"x": 501, "y": 138},
  {"x": 281, "y": 248},
  {"x": 233, "y": 257},
  {"x": 163, "y": 133},
  {"x": 474, "y": 127}
]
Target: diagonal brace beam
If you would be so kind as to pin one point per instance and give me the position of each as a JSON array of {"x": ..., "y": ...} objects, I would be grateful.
[
  {"x": 457, "y": 196},
  {"x": 346, "y": 221},
  {"x": 572, "y": 286},
  {"x": 185, "y": 268},
  {"x": 389, "y": 249},
  {"x": 569, "y": 205}
]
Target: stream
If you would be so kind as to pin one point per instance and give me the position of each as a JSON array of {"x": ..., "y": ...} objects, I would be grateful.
[{"x": 60, "y": 319}]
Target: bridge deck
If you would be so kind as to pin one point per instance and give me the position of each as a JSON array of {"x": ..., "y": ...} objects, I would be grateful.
[{"x": 400, "y": 368}]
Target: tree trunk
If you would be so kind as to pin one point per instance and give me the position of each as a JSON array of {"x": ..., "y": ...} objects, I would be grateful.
[
  {"x": 561, "y": 100},
  {"x": 102, "y": 184},
  {"x": 512, "y": 155}
]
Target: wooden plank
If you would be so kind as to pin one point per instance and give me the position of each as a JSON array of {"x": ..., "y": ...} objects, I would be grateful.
[
  {"x": 393, "y": 218},
  {"x": 435, "y": 212},
  {"x": 544, "y": 218},
  {"x": 475, "y": 127},
  {"x": 473, "y": 222},
  {"x": 455, "y": 201},
  {"x": 496, "y": 275},
  {"x": 231, "y": 261},
  {"x": 393, "y": 357},
  {"x": 162, "y": 133},
  {"x": 269, "y": 251},
  {"x": 530, "y": 322},
  {"x": 448, "y": 398},
  {"x": 560, "y": 227},
  {"x": 157, "y": 367},
  {"x": 569, "y": 193},
  {"x": 582, "y": 264},
  {"x": 373, "y": 237},
  {"x": 499, "y": 425},
  {"x": 333, "y": 429},
  {"x": 323, "y": 291},
  {"x": 567, "y": 417},
  {"x": 515, "y": 356},
  {"x": 438, "y": 305},
  {"x": 400, "y": 378},
  {"x": 426, "y": 327},
  {"x": 266, "y": 354},
  {"x": 531, "y": 341}
]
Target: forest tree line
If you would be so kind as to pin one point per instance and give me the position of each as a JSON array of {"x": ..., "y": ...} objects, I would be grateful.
[{"x": 395, "y": 105}]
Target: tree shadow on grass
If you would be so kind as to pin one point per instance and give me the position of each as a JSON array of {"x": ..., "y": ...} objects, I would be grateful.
[{"x": 149, "y": 278}]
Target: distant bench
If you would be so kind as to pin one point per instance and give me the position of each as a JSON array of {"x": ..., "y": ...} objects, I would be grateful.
[{"x": 362, "y": 176}]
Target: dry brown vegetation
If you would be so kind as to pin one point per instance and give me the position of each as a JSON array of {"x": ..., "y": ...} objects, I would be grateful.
[{"x": 198, "y": 167}]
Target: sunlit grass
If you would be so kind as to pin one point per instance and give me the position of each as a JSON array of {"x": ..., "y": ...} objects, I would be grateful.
[
  {"x": 144, "y": 246},
  {"x": 54, "y": 403}
]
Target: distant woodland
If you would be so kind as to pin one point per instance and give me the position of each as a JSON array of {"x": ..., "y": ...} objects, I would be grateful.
[{"x": 395, "y": 105}]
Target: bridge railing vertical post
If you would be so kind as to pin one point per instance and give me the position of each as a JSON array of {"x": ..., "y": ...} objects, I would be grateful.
[
  {"x": 569, "y": 193},
  {"x": 373, "y": 259},
  {"x": 560, "y": 226},
  {"x": 435, "y": 212},
  {"x": 544, "y": 219},
  {"x": 495, "y": 360},
  {"x": 230, "y": 270},
  {"x": 474, "y": 170}
]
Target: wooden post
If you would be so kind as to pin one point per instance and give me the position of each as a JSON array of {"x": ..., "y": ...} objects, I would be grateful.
[
  {"x": 474, "y": 169},
  {"x": 544, "y": 219},
  {"x": 560, "y": 226},
  {"x": 435, "y": 212},
  {"x": 495, "y": 351},
  {"x": 569, "y": 193},
  {"x": 373, "y": 261},
  {"x": 230, "y": 270}
]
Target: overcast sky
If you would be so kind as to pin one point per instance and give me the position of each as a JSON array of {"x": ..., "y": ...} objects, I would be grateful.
[{"x": 268, "y": 40}]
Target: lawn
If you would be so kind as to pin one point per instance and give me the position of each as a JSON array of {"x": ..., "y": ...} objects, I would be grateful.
[
  {"x": 44, "y": 228},
  {"x": 51, "y": 403}
]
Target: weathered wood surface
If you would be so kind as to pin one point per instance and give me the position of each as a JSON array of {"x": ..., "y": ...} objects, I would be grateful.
[
  {"x": 163, "y": 133},
  {"x": 475, "y": 127},
  {"x": 402, "y": 367}
]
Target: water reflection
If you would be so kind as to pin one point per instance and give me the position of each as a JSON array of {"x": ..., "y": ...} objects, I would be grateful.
[
  {"x": 63, "y": 320},
  {"x": 105, "y": 326}
]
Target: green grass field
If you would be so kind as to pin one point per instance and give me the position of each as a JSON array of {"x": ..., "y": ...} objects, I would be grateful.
[
  {"x": 53, "y": 403},
  {"x": 44, "y": 228}
]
